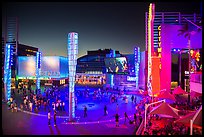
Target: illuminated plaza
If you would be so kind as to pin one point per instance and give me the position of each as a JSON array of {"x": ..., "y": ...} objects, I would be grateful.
[{"x": 155, "y": 89}]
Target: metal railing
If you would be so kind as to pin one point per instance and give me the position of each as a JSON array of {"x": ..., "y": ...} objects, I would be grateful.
[
  {"x": 196, "y": 77},
  {"x": 140, "y": 128}
]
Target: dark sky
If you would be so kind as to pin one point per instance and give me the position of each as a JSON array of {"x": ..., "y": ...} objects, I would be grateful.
[{"x": 119, "y": 26}]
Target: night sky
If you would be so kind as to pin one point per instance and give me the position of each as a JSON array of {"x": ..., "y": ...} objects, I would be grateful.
[{"x": 119, "y": 26}]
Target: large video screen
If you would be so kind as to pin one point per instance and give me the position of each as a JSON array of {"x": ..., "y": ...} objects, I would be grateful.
[
  {"x": 117, "y": 65},
  {"x": 51, "y": 67}
]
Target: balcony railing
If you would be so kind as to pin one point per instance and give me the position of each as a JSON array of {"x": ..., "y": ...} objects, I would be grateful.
[{"x": 196, "y": 77}]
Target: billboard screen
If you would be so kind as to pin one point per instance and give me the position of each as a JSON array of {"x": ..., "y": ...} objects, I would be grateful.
[
  {"x": 116, "y": 65},
  {"x": 26, "y": 66},
  {"x": 51, "y": 67}
]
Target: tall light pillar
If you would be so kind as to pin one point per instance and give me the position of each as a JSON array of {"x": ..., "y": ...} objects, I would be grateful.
[
  {"x": 72, "y": 62},
  {"x": 137, "y": 63},
  {"x": 109, "y": 76},
  {"x": 150, "y": 49},
  {"x": 8, "y": 62},
  {"x": 38, "y": 69}
]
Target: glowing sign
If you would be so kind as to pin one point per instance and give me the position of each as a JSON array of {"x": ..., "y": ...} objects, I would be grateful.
[
  {"x": 131, "y": 78},
  {"x": 159, "y": 41},
  {"x": 49, "y": 73},
  {"x": 159, "y": 45}
]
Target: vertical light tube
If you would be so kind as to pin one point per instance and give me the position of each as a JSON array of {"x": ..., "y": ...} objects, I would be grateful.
[
  {"x": 112, "y": 54},
  {"x": 7, "y": 70},
  {"x": 38, "y": 69},
  {"x": 72, "y": 62},
  {"x": 137, "y": 63},
  {"x": 150, "y": 47}
]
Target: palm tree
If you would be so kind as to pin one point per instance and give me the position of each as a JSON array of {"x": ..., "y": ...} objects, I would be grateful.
[{"x": 187, "y": 34}]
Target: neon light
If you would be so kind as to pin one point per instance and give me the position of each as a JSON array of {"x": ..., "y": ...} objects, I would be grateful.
[
  {"x": 7, "y": 70},
  {"x": 112, "y": 54},
  {"x": 137, "y": 62},
  {"x": 150, "y": 46},
  {"x": 72, "y": 61},
  {"x": 159, "y": 41},
  {"x": 159, "y": 49},
  {"x": 38, "y": 69},
  {"x": 131, "y": 78}
]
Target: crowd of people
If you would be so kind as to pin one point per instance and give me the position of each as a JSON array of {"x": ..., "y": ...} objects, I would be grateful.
[{"x": 51, "y": 101}]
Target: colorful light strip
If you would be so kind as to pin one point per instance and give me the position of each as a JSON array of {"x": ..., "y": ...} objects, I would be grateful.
[
  {"x": 7, "y": 70},
  {"x": 150, "y": 46}
]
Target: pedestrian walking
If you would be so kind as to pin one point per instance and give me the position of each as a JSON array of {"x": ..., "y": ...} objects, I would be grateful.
[
  {"x": 31, "y": 106},
  {"x": 126, "y": 101},
  {"x": 140, "y": 118},
  {"x": 57, "y": 105},
  {"x": 49, "y": 117},
  {"x": 60, "y": 104},
  {"x": 135, "y": 100},
  {"x": 12, "y": 106},
  {"x": 15, "y": 107},
  {"x": 63, "y": 106},
  {"x": 105, "y": 110},
  {"x": 117, "y": 120},
  {"x": 132, "y": 98},
  {"x": 85, "y": 111},
  {"x": 126, "y": 116},
  {"x": 55, "y": 118},
  {"x": 117, "y": 108},
  {"x": 135, "y": 118}
]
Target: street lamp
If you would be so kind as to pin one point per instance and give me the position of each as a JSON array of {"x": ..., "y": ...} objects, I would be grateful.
[{"x": 193, "y": 119}]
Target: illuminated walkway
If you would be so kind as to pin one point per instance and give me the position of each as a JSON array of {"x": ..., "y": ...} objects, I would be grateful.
[
  {"x": 27, "y": 123},
  {"x": 20, "y": 123},
  {"x": 66, "y": 117}
]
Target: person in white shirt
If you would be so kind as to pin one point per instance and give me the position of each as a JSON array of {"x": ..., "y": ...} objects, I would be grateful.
[
  {"x": 126, "y": 100},
  {"x": 63, "y": 106},
  {"x": 49, "y": 117},
  {"x": 31, "y": 106},
  {"x": 57, "y": 104},
  {"x": 25, "y": 103}
]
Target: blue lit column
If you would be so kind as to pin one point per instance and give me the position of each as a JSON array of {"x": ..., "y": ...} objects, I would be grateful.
[
  {"x": 110, "y": 77},
  {"x": 8, "y": 62},
  {"x": 137, "y": 63},
  {"x": 72, "y": 62},
  {"x": 38, "y": 69}
]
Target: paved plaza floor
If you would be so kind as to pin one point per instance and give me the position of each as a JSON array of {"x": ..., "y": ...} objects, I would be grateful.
[{"x": 96, "y": 123}]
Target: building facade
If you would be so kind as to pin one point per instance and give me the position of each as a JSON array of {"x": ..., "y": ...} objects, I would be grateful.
[
  {"x": 91, "y": 68},
  {"x": 166, "y": 27}
]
